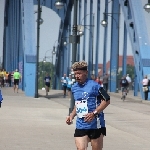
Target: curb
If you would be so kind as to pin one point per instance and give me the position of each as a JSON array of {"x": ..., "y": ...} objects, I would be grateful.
[{"x": 132, "y": 98}]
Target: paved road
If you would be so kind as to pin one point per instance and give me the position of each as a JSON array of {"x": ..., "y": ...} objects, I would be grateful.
[{"x": 28, "y": 123}]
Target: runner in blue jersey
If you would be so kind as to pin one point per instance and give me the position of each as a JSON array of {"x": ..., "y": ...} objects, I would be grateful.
[
  {"x": 47, "y": 80},
  {"x": 88, "y": 108},
  {"x": 64, "y": 84},
  {"x": 69, "y": 83}
]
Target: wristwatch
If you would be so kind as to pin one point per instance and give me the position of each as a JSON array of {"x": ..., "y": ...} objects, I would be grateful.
[{"x": 95, "y": 113}]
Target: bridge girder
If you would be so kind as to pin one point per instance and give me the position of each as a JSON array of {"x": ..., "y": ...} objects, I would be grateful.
[{"x": 20, "y": 48}]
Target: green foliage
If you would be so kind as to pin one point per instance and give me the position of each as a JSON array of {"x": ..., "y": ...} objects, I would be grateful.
[
  {"x": 130, "y": 71},
  {"x": 43, "y": 68}
]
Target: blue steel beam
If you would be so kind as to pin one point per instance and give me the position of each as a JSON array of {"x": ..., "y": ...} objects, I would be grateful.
[
  {"x": 30, "y": 52},
  {"x": 21, "y": 47},
  {"x": 105, "y": 39},
  {"x": 22, "y": 50},
  {"x": 124, "y": 60},
  {"x": 85, "y": 22},
  {"x": 68, "y": 45},
  {"x": 64, "y": 51},
  {"x": 136, "y": 85},
  {"x": 90, "y": 52},
  {"x": 79, "y": 22},
  {"x": 97, "y": 38},
  {"x": 12, "y": 28},
  {"x": 114, "y": 46},
  {"x": 139, "y": 39}
]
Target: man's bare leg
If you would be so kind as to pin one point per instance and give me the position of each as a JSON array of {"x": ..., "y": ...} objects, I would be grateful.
[
  {"x": 82, "y": 142},
  {"x": 17, "y": 88},
  {"x": 69, "y": 95},
  {"x": 97, "y": 144},
  {"x": 14, "y": 88},
  {"x": 101, "y": 141},
  {"x": 46, "y": 90}
]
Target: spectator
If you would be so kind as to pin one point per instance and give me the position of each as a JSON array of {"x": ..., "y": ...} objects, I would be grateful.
[
  {"x": 1, "y": 78},
  {"x": 98, "y": 80},
  {"x": 145, "y": 87},
  {"x": 92, "y": 76},
  {"x": 4, "y": 77},
  {"x": 69, "y": 83},
  {"x": 129, "y": 82},
  {"x": 64, "y": 84},
  {"x": 133, "y": 85},
  {"x": 9, "y": 79},
  {"x": 105, "y": 82},
  {"x": 6, "y": 80}
]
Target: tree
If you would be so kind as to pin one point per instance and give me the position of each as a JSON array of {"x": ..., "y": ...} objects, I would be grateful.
[{"x": 130, "y": 71}]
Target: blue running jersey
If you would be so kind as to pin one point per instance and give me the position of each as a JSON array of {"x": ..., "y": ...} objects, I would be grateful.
[{"x": 85, "y": 96}]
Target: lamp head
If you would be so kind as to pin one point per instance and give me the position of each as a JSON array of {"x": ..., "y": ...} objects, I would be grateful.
[
  {"x": 81, "y": 33},
  {"x": 147, "y": 7},
  {"x": 104, "y": 23},
  {"x": 44, "y": 60},
  {"x": 59, "y": 4},
  {"x": 53, "y": 52},
  {"x": 80, "y": 29},
  {"x": 40, "y": 21},
  {"x": 65, "y": 43}
]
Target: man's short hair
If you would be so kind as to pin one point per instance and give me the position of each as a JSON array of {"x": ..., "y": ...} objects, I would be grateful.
[{"x": 81, "y": 65}]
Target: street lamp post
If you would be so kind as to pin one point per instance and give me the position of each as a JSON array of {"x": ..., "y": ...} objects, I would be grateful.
[
  {"x": 74, "y": 39},
  {"x": 104, "y": 24},
  {"x": 74, "y": 47},
  {"x": 39, "y": 21},
  {"x": 91, "y": 36}
]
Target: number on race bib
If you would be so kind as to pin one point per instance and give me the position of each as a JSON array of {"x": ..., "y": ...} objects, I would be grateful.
[{"x": 81, "y": 108}]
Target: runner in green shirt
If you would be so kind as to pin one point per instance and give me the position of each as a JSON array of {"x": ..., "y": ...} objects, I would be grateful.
[{"x": 17, "y": 77}]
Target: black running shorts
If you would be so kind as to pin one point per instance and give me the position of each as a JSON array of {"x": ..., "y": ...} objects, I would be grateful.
[
  {"x": 47, "y": 84},
  {"x": 91, "y": 133},
  {"x": 16, "y": 81}
]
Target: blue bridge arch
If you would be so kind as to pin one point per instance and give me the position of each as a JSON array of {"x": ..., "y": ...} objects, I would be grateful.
[{"x": 19, "y": 50}]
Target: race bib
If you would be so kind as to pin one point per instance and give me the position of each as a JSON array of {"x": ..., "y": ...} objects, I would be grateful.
[
  {"x": 81, "y": 108},
  {"x": 70, "y": 82},
  {"x": 47, "y": 80},
  {"x": 65, "y": 81}
]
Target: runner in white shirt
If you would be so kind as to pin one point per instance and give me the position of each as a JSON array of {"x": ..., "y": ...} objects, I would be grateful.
[
  {"x": 129, "y": 82},
  {"x": 145, "y": 87}
]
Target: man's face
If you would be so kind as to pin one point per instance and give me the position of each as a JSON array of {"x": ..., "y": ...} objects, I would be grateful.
[{"x": 80, "y": 76}]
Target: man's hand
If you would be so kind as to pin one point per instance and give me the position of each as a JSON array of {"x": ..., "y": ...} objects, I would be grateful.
[
  {"x": 69, "y": 120},
  {"x": 89, "y": 117}
]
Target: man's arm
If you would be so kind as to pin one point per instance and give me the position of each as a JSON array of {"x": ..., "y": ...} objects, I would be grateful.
[
  {"x": 105, "y": 101},
  {"x": 71, "y": 116},
  {"x": 102, "y": 106},
  {"x": 73, "y": 113},
  {"x": 90, "y": 116},
  {"x": 62, "y": 80}
]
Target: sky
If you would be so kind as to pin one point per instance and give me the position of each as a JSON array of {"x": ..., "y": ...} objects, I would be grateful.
[
  {"x": 50, "y": 27},
  {"x": 1, "y": 27},
  {"x": 48, "y": 32}
]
